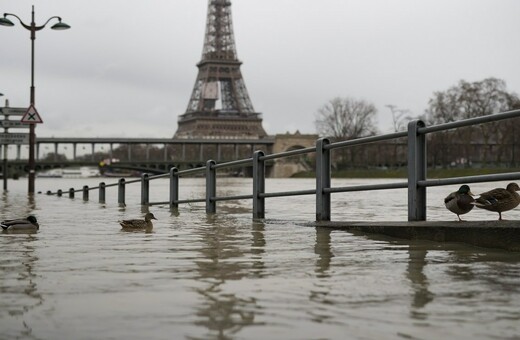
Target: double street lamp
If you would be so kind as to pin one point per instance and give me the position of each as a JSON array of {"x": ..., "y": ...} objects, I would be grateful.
[{"x": 32, "y": 27}]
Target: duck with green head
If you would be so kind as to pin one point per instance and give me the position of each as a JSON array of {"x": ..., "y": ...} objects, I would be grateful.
[
  {"x": 29, "y": 223},
  {"x": 499, "y": 199},
  {"x": 460, "y": 202}
]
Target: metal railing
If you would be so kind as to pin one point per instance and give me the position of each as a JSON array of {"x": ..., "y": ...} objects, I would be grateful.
[{"x": 416, "y": 182}]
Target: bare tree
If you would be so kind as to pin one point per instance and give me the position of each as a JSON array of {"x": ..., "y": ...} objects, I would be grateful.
[
  {"x": 346, "y": 118},
  {"x": 400, "y": 117},
  {"x": 400, "y": 120},
  {"x": 468, "y": 100}
]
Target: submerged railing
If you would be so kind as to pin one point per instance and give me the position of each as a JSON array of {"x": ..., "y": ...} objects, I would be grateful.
[{"x": 416, "y": 183}]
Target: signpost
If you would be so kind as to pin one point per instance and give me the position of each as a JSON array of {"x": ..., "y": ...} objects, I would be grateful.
[
  {"x": 30, "y": 115},
  {"x": 13, "y": 124},
  {"x": 13, "y": 111},
  {"x": 14, "y": 138}
]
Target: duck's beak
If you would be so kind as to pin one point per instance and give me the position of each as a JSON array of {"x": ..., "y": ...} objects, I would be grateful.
[{"x": 471, "y": 194}]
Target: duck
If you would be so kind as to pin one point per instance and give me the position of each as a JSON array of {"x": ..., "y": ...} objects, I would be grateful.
[
  {"x": 460, "y": 202},
  {"x": 499, "y": 199},
  {"x": 29, "y": 223},
  {"x": 138, "y": 224}
]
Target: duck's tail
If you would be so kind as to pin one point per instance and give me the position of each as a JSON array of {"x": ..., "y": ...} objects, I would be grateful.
[{"x": 482, "y": 202}]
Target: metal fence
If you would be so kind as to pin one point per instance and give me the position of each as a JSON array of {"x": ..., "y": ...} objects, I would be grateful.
[{"x": 416, "y": 182}]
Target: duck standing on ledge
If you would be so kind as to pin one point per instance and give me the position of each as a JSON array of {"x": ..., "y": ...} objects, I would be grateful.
[
  {"x": 29, "y": 223},
  {"x": 499, "y": 200},
  {"x": 138, "y": 224},
  {"x": 460, "y": 202}
]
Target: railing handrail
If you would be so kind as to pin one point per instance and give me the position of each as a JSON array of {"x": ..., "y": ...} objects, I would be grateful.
[
  {"x": 470, "y": 121},
  {"x": 416, "y": 182},
  {"x": 366, "y": 140},
  {"x": 288, "y": 153}
]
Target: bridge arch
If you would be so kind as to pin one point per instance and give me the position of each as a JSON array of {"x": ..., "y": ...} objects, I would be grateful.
[
  {"x": 287, "y": 167},
  {"x": 292, "y": 141}
]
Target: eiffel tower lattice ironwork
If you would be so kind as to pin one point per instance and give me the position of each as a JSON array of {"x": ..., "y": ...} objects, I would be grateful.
[{"x": 220, "y": 106}]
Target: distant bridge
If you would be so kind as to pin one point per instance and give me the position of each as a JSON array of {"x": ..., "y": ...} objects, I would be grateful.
[
  {"x": 182, "y": 152},
  {"x": 155, "y": 155}
]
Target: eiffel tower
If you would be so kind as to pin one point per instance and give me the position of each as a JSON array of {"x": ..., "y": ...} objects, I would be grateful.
[{"x": 220, "y": 106}]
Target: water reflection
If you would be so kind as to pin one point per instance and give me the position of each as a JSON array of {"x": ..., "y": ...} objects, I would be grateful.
[
  {"x": 222, "y": 261},
  {"x": 493, "y": 269},
  {"x": 420, "y": 285},
  {"x": 18, "y": 287},
  {"x": 321, "y": 293},
  {"x": 323, "y": 250},
  {"x": 24, "y": 205},
  {"x": 416, "y": 263},
  {"x": 258, "y": 249}
]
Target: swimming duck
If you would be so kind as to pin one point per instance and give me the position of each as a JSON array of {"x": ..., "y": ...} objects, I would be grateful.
[
  {"x": 137, "y": 224},
  {"x": 29, "y": 223},
  {"x": 460, "y": 202},
  {"x": 499, "y": 200}
]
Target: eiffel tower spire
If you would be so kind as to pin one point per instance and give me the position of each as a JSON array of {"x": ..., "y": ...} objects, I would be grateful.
[{"x": 219, "y": 105}]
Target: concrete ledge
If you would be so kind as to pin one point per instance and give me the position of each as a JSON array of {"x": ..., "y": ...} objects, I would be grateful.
[{"x": 488, "y": 234}]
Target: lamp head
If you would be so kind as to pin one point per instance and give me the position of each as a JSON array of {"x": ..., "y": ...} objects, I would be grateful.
[
  {"x": 6, "y": 22},
  {"x": 60, "y": 26}
]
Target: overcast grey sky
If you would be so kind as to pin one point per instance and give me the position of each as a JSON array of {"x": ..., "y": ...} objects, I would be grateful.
[{"x": 126, "y": 68}]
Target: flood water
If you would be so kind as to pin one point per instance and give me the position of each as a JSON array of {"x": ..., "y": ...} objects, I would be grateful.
[{"x": 224, "y": 276}]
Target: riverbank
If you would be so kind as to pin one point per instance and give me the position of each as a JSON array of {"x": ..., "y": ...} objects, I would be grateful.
[{"x": 402, "y": 172}]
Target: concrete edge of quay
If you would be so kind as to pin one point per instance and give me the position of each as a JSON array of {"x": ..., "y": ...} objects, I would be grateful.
[{"x": 503, "y": 234}]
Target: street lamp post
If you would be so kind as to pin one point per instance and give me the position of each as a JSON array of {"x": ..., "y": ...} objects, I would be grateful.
[
  {"x": 32, "y": 28},
  {"x": 4, "y": 162}
]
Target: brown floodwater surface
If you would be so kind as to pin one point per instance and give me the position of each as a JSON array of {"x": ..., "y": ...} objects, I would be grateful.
[{"x": 225, "y": 276}]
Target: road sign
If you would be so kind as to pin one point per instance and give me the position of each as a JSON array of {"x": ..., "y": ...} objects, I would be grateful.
[
  {"x": 13, "y": 111},
  {"x": 31, "y": 116},
  {"x": 13, "y": 124},
  {"x": 14, "y": 138}
]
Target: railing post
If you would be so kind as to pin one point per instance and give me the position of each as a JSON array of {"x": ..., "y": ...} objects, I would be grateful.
[
  {"x": 258, "y": 185},
  {"x": 102, "y": 192},
  {"x": 85, "y": 192},
  {"x": 145, "y": 189},
  {"x": 59, "y": 193},
  {"x": 174, "y": 188},
  {"x": 322, "y": 180},
  {"x": 71, "y": 193},
  {"x": 416, "y": 172},
  {"x": 211, "y": 187},
  {"x": 121, "y": 192}
]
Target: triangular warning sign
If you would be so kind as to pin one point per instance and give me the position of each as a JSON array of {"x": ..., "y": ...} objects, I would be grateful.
[{"x": 31, "y": 116}]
